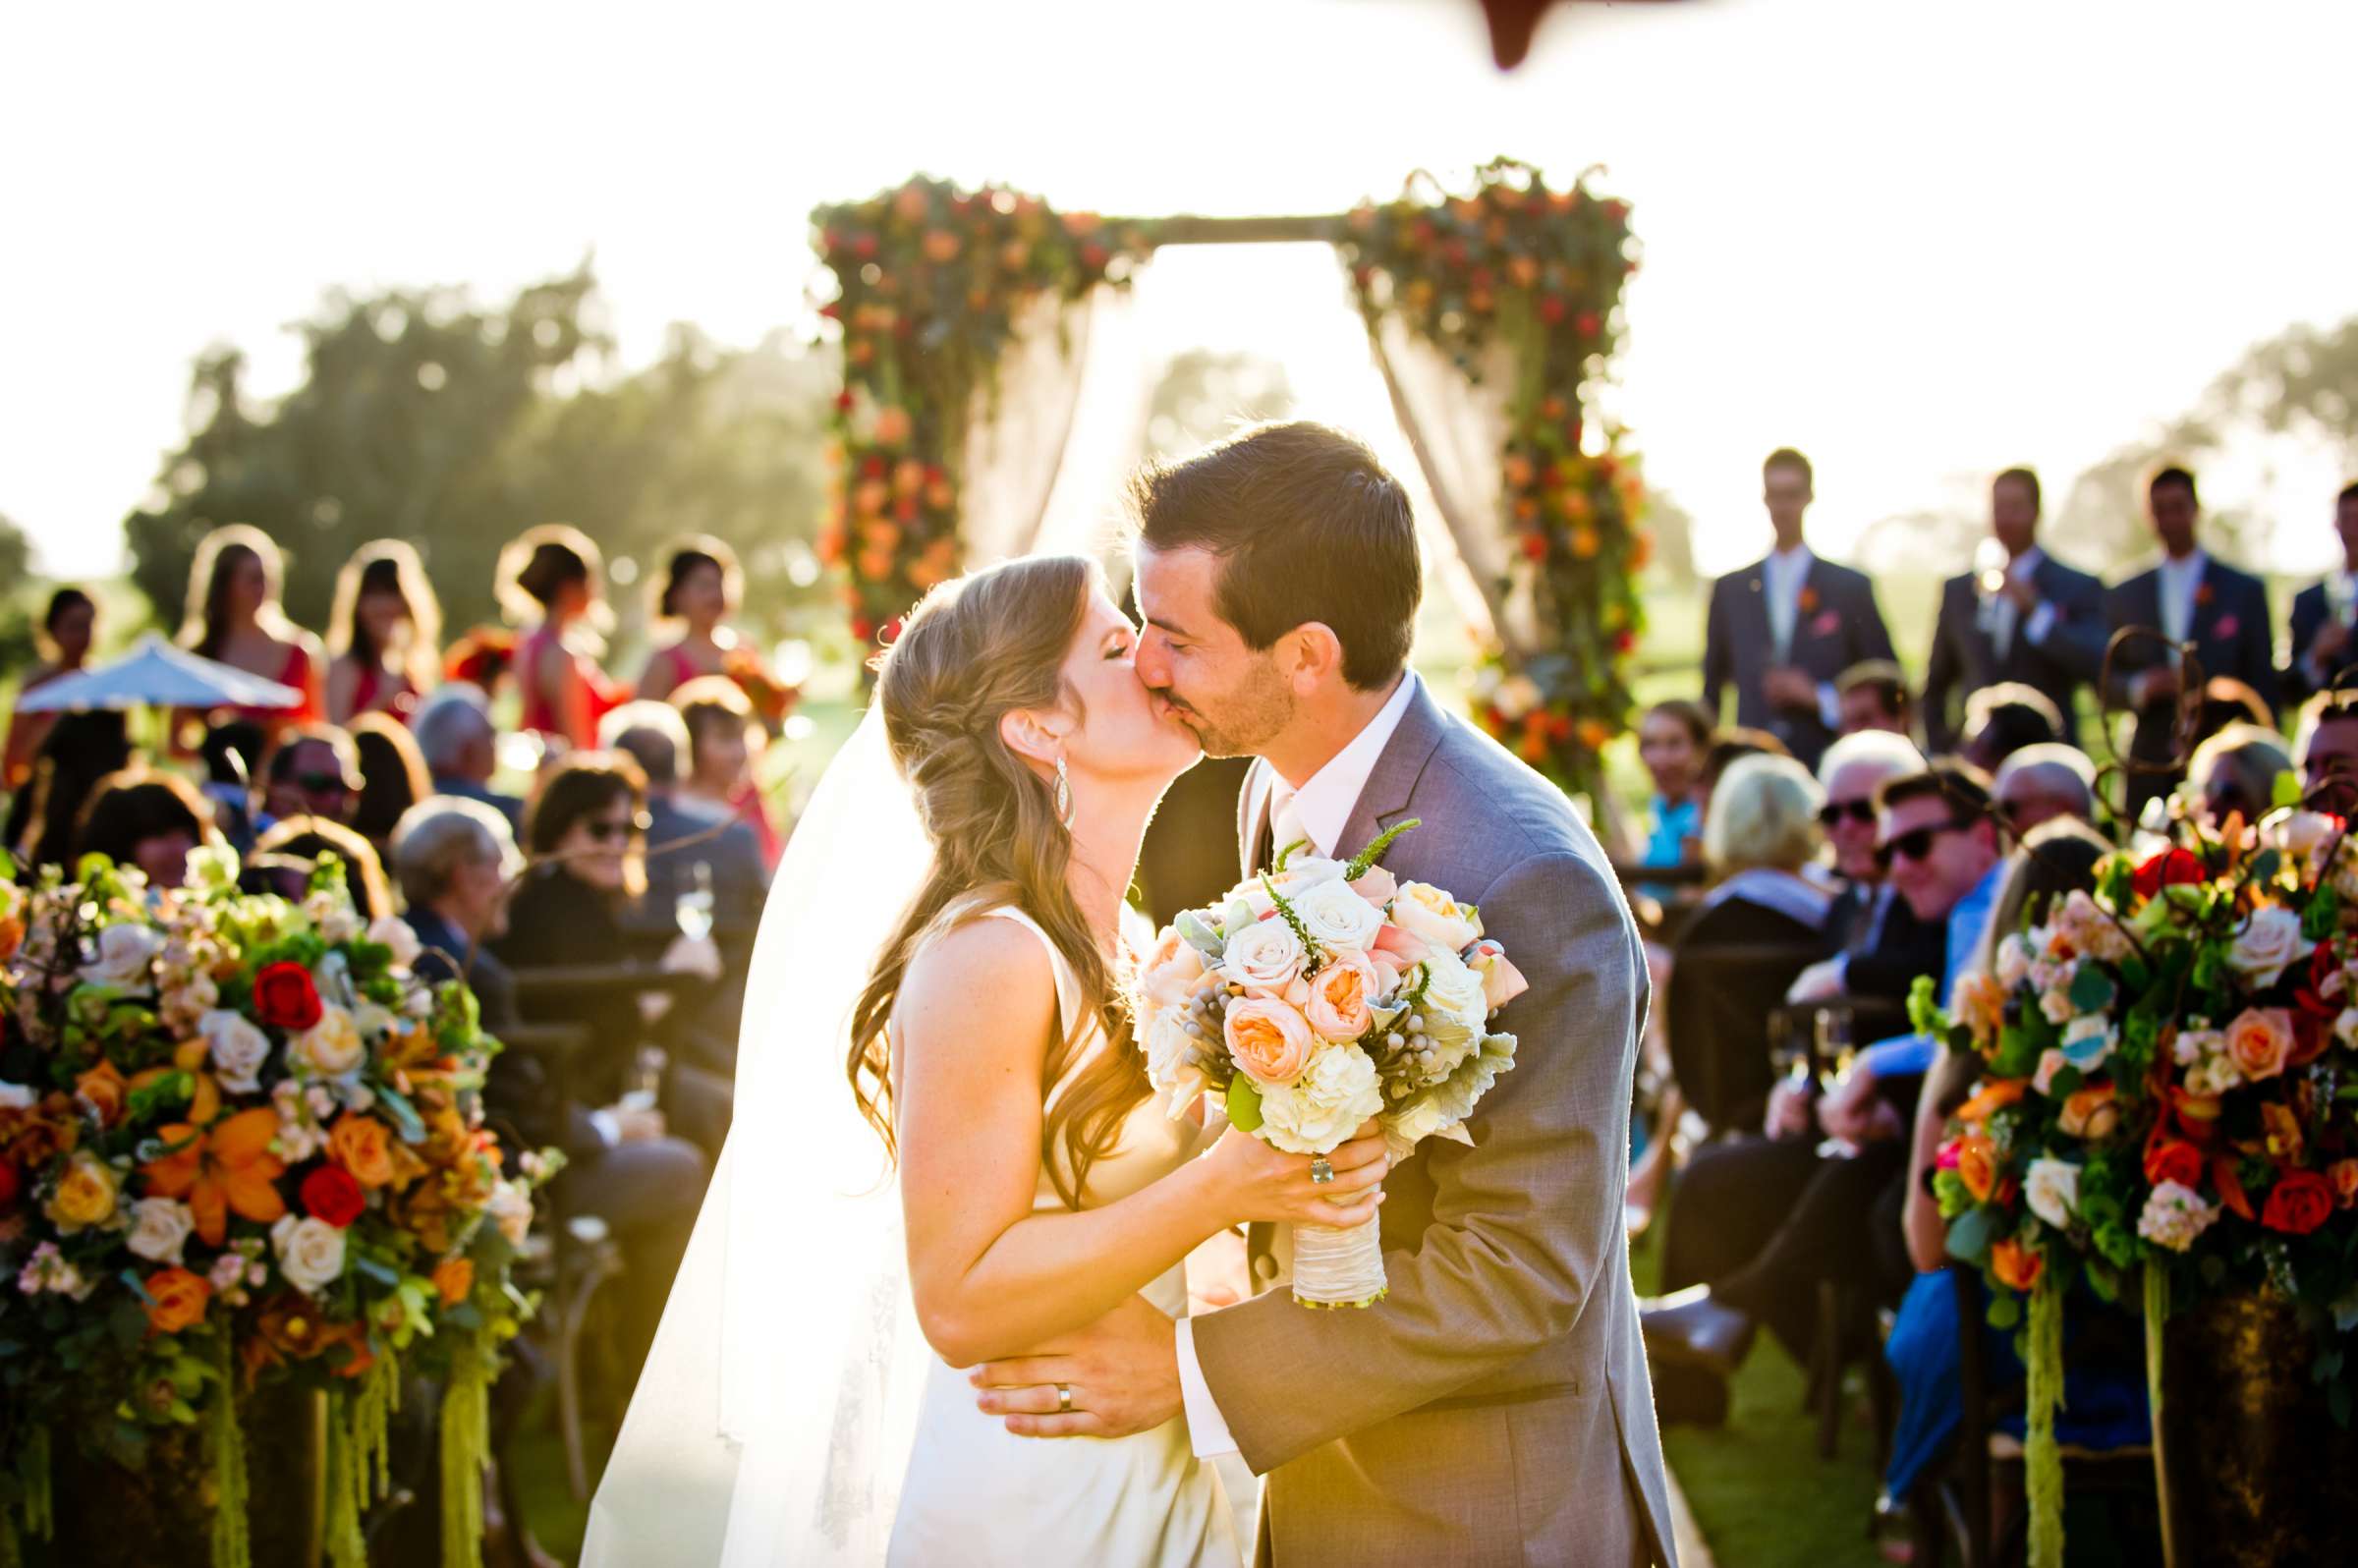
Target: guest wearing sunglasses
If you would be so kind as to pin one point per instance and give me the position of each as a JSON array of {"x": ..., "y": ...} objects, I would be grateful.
[
  {"x": 2234, "y": 773},
  {"x": 2328, "y": 744},
  {"x": 2041, "y": 784},
  {"x": 1885, "y": 946},
  {"x": 316, "y": 771}
]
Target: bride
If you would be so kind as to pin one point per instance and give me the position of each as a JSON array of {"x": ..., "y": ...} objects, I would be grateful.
[{"x": 788, "y": 1413}]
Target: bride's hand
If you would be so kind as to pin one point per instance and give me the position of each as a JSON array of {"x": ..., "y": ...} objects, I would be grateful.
[{"x": 1257, "y": 1182}]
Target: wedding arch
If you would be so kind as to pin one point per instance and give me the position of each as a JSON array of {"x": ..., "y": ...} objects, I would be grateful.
[{"x": 1494, "y": 314}]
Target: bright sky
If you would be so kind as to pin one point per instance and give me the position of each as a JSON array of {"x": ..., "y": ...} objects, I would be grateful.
[{"x": 1920, "y": 242}]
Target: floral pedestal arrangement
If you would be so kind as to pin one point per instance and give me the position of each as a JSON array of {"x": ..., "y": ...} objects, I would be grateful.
[{"x": 244, "y": 1178}]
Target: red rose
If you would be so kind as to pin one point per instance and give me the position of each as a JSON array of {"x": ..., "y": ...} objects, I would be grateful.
[
  {"x": 2298, "y": 1204},
  {"x": 2172, "y": 868},
  {"x": 2173, "y": 1160},
  {"x": 10, "y": 1185},
  {"x": 2310, "y": 995},
  {"x": 284, "y": 997},
  {"x": 330, "y": 1193}
]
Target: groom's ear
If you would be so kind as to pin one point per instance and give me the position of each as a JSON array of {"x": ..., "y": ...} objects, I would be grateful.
[
  {"x": 1041, "y": 737},
  {"x": 1308, "y": 655}
]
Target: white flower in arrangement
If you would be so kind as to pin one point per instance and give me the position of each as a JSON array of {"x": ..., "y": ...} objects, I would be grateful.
[
  {"x": 1302, "y": 873},
  {"x": 236, "y": 1049},
  {"x": 2051, "y": 1062},
  {"x": 330, "y": 1048},
  {"x": 2267, "y": 945},
  {"x": 188, "y": 1001},
  {"x": 2014, "y": 959},
  {"x": 159, "y": 1229},
  {"x": 2089, "y": 1040},
  {"x": 124, "y": 955},
  {"x": 227, "y": 1275},
  {"x": 2174, "y": 1215},
  {"x": 1337, "y": 1092},
  {"x": 419, "y": 1003},
  {"x": 2196, "y": 1041},
  {"x": 2051, "y": 1189},
  {"x": 511, "y": 1210},
  {"x": 390, "y": 930},
  {"x": 1453, "y": 990},
  {"x": 1170, "y": 1051},
  {"x": 333, "y": 916},
  {"x": 17, "y": 1097},
  {"x": 47, "y": 1270},
  {"x": 2092, "y": 932},
  {"x": 2302, "y": 837},
  {"x": 2345, "y": 1028},
  {"x": 1337, "y": 919},
  {"x": 1429, "y": 915},
  {"x": 311, "y": 1252},
  {"x": 2056, "y": 1006},
  {"x": 1263, "y": 957},
  {"x": 2214, "y": 1075}
]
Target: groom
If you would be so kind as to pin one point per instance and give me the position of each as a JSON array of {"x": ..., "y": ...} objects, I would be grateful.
[{"x": 1494, "y": 1408}]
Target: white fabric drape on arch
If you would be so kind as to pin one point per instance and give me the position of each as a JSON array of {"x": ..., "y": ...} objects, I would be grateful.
[{"x": 1016, "y": 432}]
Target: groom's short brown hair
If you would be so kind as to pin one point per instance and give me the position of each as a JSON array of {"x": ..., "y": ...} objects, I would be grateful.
[{"x": 1308, "y": 527}]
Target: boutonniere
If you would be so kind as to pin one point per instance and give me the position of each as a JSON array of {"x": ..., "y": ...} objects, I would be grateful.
[
  {"x": 1825, "y": 624},
  {"x": 1807, "y": 600},
  {"x": 2226, "y": 627},
  {"x": 2202, "y": 595}
]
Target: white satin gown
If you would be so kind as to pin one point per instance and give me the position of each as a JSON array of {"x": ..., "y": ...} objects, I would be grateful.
[{"x": 977, "y": 1496}]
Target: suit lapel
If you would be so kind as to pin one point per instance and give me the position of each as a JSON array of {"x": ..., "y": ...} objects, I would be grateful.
[
  {"x": 1252, "y": 817},
  {"x": 1393, "y": 779}
]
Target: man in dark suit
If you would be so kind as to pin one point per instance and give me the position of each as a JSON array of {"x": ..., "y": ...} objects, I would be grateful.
[
  {"x": 1782, "y": 631},
  {"x": 2038, "y": 622},
  {"x": 2322, "y": 613},
  {"x": 2190, "y": 600}
]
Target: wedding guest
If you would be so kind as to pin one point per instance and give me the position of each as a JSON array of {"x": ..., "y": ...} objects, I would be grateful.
[
  {"x": 2190, "y": 598},
  {"x": 1673, "y": 741},
  {"x": 393, "y": 776},
  {"x": 1873, "y": 695},
  {"x": 2002, "y": 720},
  {"x": 2328, "y": 746},
  {"x": 1884, "y": 944},
  {"x": 702, "y": 586},
  {"x": 724, "y": 749},
  {"x": 2323, "y": 613},
  {"x": 2041, "y": 783},
  {"x": 455, "y": 735},
  {"x": 1782, "y": 631},
  {"x": 67, "y": 629},
  {"x": 2227, "y": 701},
  {"x": 384, "y": 633},
  {"x": 314, "y": 771},
  {"x": 143, "y": 818},
  {"x": 2033, "y": 622},
  {"x": 79, "y": 749},
  {"x": 1730, "y": 745},
  {"x": 552, "y": 581},
  {"x": 284, "y": 857},
  {"x": 685, "y": 831},
  {"x": 2234, "y": 773},
  {"x": 455, "y": 861},
  {"x": 234, "y": 617}
]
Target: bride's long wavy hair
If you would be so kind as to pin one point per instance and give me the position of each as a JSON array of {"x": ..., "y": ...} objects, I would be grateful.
[{"x": 972, "y": 651}]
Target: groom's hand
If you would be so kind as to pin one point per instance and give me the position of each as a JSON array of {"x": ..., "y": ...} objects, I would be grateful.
[{"x": 1123, "y": 1371}]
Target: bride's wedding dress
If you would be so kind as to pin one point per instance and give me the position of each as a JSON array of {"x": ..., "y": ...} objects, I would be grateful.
[{"x": 977, "y": 1495}]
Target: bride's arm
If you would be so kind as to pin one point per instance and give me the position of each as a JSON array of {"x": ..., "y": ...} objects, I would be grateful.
[{"x": 972, "y": 1023}]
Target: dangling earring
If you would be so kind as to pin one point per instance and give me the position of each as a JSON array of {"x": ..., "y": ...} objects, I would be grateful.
[{"x": 1065, "y": 812}]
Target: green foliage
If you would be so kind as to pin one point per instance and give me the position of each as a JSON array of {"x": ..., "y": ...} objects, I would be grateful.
[
  {"x": 1244, "y": 1104},
  {"x": 1365, "y": 859}
]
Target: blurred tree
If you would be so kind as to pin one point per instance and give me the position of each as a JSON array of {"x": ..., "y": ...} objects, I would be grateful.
[
  {"x": 17, "y": 610},
  {"x": 1206, "y": 393},
  {"x": 422, "y": 415},
  {"x": 1673, "y": 528}
]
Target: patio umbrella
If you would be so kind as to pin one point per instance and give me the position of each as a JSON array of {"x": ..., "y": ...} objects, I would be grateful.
[{"x": 156, "y": 673}]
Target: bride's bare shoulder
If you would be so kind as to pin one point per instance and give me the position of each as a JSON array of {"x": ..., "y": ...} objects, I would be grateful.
[{"x": 983, "y": 981}]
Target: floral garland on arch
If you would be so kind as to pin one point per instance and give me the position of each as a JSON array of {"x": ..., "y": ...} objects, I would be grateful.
[
  {"x": 928, "y": 282},
  {"x": 240, "y": 1141},
  {"x": 1538, "y": 271}
]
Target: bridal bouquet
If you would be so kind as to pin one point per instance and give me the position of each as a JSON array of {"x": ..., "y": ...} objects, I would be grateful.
[
  {"x": 241, "y": 1139},
  {"x": 1315, "y": 997}
]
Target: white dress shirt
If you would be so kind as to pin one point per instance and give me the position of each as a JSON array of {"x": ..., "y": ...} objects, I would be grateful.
[
  {"x": 1998, "y": 612},
  {"x": 1323, "y": 808},
  {"x": 1782, "y": 577},
  {"x": 2342, "y": 600},
  {"x": 2180, "y": 585}
]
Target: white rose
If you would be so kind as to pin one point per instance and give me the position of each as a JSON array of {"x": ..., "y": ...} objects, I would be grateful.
[
  {"x": 2267, "y": 945},
  {"x": 1322, "y": 1107},
  {"x": 2051, "y": 1187},
  {"x": 1263, "y": 957},
  {"x": 125, "y": 953},
  {"x": 1429, "y": 915},
  {"x": 236, "y": 1049},
  {"x": 511, "y": 1210},
  {"x": 330, "y": 1048},
  {"x": 159, "y": 1228},
  {"x": 1337, "y": 919},
  {"x": 311, "y": 1252},
  {"x": 391, "y": 931},
  {"x": 2299, "y": 834},
  {"x": 420, "y": 1003},
  {"x": 1302, "y": 873},
  {"x": 17, "y": 1097},
  {"x": 2013, "y": 961},
  {"x": 1454, "y": 987},
  {"x": 2345, "y": 1028},
  {"x": 2174, "y": 1215},
  {"x": 332, "y": 913}
]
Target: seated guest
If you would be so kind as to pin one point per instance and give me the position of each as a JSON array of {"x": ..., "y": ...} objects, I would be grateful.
[
  {"x": 285, "y": 856},
  {"x": 146, "y": 819},
  {"x": 2323, "y": 612},
  {"x": 455, "y": 861},
  {"x": 655, "y": 737},
  {"x": 1885, "y": 946},
  {"x": 2041, "y": 783},
  {"x": 393, "y": 777},
  {"x": 1731, "y": 743},
  {"x": 231, "y": 755},
  {"x": 2001, "y": 720},
  {"x": 454, "y": 733},
  {"x": 2328, "y": 744},
  {"x": 314, "y": 772},
  {"x": 1875, "y": 696},
  {"x": 2234, "y": 773},
  {"x": 724, "y": 753},
  {"x": 79, "y": 749},
  {"x": 1673, "y": 740},
  {"x": 2227, "y": 701}
]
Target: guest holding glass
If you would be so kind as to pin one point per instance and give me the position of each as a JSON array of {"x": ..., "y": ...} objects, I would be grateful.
[
  {"x": 552, "y": 581},
  {"x": 67, "y": 629},
  {"x": 382, "y": 634}
]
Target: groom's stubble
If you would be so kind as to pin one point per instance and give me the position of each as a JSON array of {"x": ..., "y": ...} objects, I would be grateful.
[{"x": 1241, "y": 721}]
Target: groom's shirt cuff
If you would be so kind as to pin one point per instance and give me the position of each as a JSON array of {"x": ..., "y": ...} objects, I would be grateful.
[{"x": 1207, "y": 1432}]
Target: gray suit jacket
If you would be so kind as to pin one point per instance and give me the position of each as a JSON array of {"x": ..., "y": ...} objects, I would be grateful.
[{"x": 1496, "y": 1407}]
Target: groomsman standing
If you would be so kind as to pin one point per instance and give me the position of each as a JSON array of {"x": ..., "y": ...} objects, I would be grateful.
[
  {"x": 2034, "y": 622},
  {"x": 2189, "y": 597},
  {"x": 1783, "y": 631},
  {"x": 2323, "y": 642}
]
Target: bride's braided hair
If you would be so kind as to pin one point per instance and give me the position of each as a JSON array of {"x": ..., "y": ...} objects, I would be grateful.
[{"x": 972, "y": 651}]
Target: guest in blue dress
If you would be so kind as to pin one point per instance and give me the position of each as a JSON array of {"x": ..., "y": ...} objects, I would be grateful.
[{"x": 1674, "y": 742}]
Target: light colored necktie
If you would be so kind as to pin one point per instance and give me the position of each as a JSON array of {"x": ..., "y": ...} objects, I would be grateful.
[
  {"x": 1286, "y": 824},
  {"x": 1784, "y": 595}
]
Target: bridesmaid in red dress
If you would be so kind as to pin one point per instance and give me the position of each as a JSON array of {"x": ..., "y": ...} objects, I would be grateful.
[
  {"x": 701, "y": 588},
  {"x": 552, "y": 581},
  {"x": 66, "y": 632},
  {"x": 382, "y": 636},
  {"x": 234, "y": 616},
  {"x": 724, "y": 751}
]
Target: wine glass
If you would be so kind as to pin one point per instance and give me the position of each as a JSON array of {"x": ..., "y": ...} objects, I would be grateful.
[
  {"x": 1990, "y": 563},
  {"x": 1837, "y": 1054},
  {"x": 693, "y": 908}
]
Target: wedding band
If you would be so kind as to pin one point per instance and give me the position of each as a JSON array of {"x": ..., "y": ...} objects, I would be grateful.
[
  {"x": 1064, "y": 1399},
  {"x": 1321, "y": 1172}
]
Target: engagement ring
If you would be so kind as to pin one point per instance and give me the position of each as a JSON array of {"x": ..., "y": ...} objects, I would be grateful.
[{"x": 1321, "y": 1172}]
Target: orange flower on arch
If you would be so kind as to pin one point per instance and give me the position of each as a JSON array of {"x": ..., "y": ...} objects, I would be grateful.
[
  {"x": 225, "y": 1167},
  {"x": 1976, "y": 1166}
]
